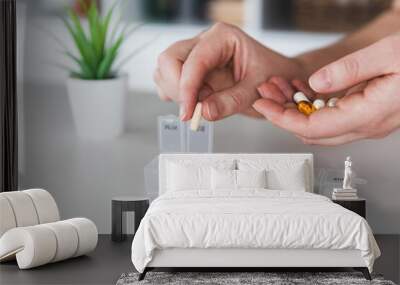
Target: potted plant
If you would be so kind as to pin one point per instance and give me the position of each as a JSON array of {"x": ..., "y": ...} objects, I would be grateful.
[{"x": 96, "y": 91}]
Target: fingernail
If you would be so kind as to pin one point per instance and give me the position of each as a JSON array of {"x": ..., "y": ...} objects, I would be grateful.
[
  {"x": 212, "y": 110},
  {"x": 255, "y": 106},
  {"x": 182, "y": 111},
  {"x": 320, "y": 80},
  {"x": 260, "y": 90}
]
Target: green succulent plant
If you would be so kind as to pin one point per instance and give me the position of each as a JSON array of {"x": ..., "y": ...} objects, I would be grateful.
[{"x": 97, "y": 46}]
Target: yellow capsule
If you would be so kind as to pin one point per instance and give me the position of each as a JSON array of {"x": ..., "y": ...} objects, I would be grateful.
[{"x": 303, "y": 104}]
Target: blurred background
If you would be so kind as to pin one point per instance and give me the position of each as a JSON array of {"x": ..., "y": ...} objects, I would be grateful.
[
  {"x": 328, "y": 15},
  {"x": 84, "y": 175},
  {"x": 170, "y": 20}
]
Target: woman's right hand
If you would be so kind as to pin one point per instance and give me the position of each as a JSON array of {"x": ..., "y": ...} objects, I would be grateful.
[{"x": 222, "y": 67}]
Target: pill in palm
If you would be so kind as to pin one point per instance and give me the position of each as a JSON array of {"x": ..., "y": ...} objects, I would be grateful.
[
  {"x": 319, "y": 104},
  {"x": 196, "y": 118},
  {"x": 303, "y": 103},
  {"x": 332, "y": 102}
]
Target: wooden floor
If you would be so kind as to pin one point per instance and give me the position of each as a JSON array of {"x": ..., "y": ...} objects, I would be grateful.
[{"x": 110, "y": 260}]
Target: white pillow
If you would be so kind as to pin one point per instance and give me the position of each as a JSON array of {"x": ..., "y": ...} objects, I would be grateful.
[
  {"x": 223, "y": 179},
  {"x": 281, "y": 174},
  {"x": 237, "y": 179},
  {"x": 251, "y": 178},
  {"x": 181, "y": 177},
  {"x": 190, "y": 174}
]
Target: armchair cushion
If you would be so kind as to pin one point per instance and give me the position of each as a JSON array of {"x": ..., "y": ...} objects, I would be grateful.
[
  {"x": 23, "y": 208},
  {"x": 27, "y": 208},
  {"x": 40, "y": 244},
  {"x": 45, "y": 205},
  {"x": 30, "y": 230},
  {"x": 7, "y": 220}
]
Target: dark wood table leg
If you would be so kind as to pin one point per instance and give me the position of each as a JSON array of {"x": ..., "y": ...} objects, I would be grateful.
[
  {"x": 140, "y": 211},
  {"x": 116, "y": 228}
]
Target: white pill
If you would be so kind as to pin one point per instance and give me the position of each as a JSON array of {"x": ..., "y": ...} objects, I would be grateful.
[
  {"x": 332, "y": 102},
  {"x": 319, "y": 104},
  {"x": 299, "y": 97},
  {"x": 196, "y": 118}
]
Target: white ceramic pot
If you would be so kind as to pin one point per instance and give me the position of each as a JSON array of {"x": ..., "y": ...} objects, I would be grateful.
[{"x": 98, "y": 107}]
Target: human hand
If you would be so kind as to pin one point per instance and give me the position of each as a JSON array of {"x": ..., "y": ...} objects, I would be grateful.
[
  {"x": 221, "y": 67},
  {"x": 369, "y": 109}
]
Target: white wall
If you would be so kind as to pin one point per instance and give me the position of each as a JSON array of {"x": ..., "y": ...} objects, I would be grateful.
[{"x": 84, "y": 176}]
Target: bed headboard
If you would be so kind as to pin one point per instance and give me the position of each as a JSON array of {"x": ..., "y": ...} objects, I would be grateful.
[{"x": 306, "y": 157}]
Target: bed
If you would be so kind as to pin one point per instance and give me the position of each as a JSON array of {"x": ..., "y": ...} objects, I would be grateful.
[{"x": 247, "y": 211}]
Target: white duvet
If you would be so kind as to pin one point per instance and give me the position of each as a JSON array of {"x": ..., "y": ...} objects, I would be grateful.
[{"x": 252, "y": 218}]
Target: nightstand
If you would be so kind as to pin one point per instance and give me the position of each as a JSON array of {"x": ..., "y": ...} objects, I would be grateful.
[
  {"x": 121, "y": 204},
  {"x": 358, "y": 206}
]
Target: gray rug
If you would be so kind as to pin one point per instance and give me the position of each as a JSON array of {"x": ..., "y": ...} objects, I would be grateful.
[{"x": 243, "y": 278}]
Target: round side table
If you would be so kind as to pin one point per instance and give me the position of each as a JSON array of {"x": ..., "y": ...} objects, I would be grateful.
[{"x": 121, "y": 204}]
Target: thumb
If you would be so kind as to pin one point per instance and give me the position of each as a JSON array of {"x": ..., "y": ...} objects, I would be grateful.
[
  {"x": 375, "y": 60},
  {"x": 230, "y": 101}
]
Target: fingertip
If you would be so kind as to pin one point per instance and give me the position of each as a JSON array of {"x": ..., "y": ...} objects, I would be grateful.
[
  {"x": 185, "y": 112},
  {"x": 188, "y": 99},
  {"x": 267, "y": 107},
  {"x": 261, "y": 89},
  {"x": 182, "y": 111},
  {"x": 184, "y": 118},
  {"x": 257, "y": 105},
  {"x": 320, "y": 81},
  {"x": 303, "y": 87},
  {"x": 271, "y": 91},
  {"x": 277, "y": 80},
  {"x": 284, "y": 86},
  {"x": 210, "y": 110}
]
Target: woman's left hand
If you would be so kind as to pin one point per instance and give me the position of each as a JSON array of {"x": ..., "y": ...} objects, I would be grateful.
[{"x": 371, "y": 105}]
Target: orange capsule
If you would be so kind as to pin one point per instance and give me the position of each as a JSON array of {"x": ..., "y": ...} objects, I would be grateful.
[{"x": 304, "y": 105}]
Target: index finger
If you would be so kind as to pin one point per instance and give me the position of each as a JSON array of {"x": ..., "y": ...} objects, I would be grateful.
[
  {"x": 203, "y": 58},
  {"x": 169, "y": 67}
]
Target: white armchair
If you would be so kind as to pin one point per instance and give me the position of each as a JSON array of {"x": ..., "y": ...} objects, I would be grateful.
[{"x": 31, "y": 231}]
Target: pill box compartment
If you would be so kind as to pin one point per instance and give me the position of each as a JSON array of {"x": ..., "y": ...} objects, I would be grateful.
[
  {"x": 171, "y": 134},
  {"x": 201, "y": 140},
  {"x": 176, "y": 136}
]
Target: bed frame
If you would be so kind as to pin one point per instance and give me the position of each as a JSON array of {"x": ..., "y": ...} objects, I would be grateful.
[{"x": 236, "y": 259}]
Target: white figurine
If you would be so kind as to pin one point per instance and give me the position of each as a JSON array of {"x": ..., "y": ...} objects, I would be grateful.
[{"x": 348, "y": 174}]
